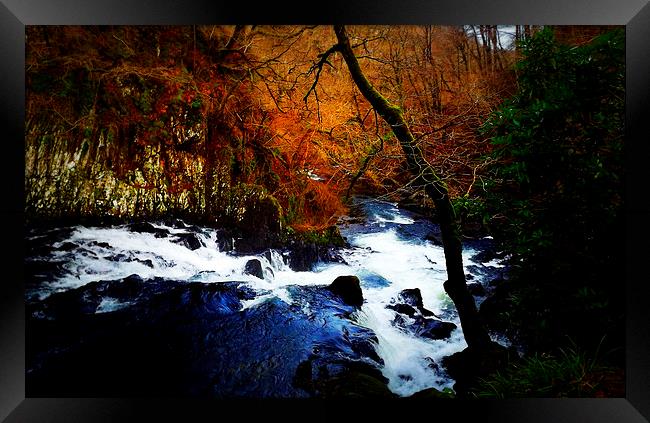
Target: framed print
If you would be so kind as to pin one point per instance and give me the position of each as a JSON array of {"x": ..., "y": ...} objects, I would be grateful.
[{"x": 219, "y": 207}]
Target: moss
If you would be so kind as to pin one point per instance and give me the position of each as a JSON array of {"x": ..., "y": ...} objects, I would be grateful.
[
  {"x": 328, "y": 237},
  {"x": 571, "y": 373}
]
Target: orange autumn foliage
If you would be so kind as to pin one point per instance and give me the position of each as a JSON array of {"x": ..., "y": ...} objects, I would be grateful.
[{"x": 174, "y": 118}]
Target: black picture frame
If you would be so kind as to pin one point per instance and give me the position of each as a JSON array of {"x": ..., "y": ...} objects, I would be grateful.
[{"x": 15, "y": 14}]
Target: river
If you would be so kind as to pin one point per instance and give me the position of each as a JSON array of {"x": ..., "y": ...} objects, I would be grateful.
[{"x": 390, "y": 250}]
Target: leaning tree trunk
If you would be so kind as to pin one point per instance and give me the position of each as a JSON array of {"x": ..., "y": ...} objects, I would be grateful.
[{"x": 455, "y": 286}]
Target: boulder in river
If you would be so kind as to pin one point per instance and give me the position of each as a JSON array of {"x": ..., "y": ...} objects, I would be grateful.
[
  {"x": 413, "y": 297},
  {"x": 426, "y": 327},
  {"x": 67, "y": 246},
  {"x": 419, "y": 321},
  {"x": 349, "y": 289},
  {"x": 403, "y": 309},
  {"x": 303, "y": 255},
  {"x": 225, "y": 240},
  {"x": 190, "y": 240},
  {"x": 146, "y": 227},
  {"x": 434, "y": 328},
  {"x": 254, "y": 267}
]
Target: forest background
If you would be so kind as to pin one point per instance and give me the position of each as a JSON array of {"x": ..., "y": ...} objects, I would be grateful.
[{"x": 233, "y": 125}]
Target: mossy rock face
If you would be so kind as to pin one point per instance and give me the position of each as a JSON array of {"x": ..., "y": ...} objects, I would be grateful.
[
  {"x": 469, "y": 365},
  {"x": 310, "y": 247},
  {"x": 328, "y": 237},
  {"x": 266, "y": 213},
  {"x": 261, "y": 225},
  {"x": 334, "y": 237},
  {"x": 356, "y": 380}
]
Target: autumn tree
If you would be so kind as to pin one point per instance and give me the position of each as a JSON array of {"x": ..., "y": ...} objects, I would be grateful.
[{"x": 475, "y": 333}]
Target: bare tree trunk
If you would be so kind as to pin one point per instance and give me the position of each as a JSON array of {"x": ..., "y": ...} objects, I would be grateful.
[
  {"x": 473, "y": 329},
  {"x": 479, "y": 58},
  {"x": 237, "y": 37},
  {"x": 517, "y": 35},
  {"x": 495, "y": 47}
]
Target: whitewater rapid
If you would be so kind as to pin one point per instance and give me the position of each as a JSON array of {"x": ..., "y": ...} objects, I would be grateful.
[{"x": 387, "y": 252}]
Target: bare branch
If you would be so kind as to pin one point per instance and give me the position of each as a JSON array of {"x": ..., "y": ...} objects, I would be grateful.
[{"x": 318, "y": 67}]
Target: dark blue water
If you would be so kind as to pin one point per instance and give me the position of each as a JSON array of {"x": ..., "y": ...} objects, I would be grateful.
[{"x": 112, "y": 311}]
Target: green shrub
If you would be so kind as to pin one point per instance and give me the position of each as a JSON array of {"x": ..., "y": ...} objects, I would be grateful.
[
  {"x": 570, "y": 373},
  {"x": 554, "y": 195}
]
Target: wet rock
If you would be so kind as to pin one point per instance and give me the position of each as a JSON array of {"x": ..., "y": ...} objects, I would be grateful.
[
  {"x": 303, "y": 255},
  {"x": 174, "y": 223},
  {"x": 268, "y": 255},
  {"x": 132, "y": 279},
  {"x": 225, "y": 240},
  {"x": 67, "y": 246},
  {"x": 189, "y": 240},
  {"x": 413, "y": 297},
  {"x": 403, "y": 309},
  {"x": 254, "y": 267},
  {"x": 498, "y": 305},
  {"x": 476, "y": 289},
  {"x": 307, "y": 249},
  {"x": 353, "y": 220},
  {"x": 146, "y": 227},
  {"x": 146, "y": 262},
  {"x": 349, "y": 289},
  {"x": 487, "y": 254},
  {"x": 424, "y": 327},
  {"x": 433, "y": 328},
  {"x": 124, "y": 258},
  {"x": 39, "y": 240},
  {"x": 212, "y": 299},
  {"x": 469, "y": 365},
  {"x": 118, "y": 257},
  {"x": 39, "y": 272},
  {"x": 260, "y": 227}
]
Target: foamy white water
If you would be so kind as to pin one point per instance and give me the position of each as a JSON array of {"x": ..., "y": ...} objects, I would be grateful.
[{"x": 385, "y": 256}]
